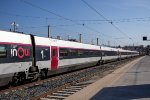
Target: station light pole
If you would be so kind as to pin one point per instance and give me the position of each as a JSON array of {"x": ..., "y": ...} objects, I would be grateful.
[
  {"x": 147, "y": 50},
  {"x": 14, "y": 26}
]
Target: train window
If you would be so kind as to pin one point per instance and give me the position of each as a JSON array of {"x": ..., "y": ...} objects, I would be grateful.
[
  {"x": 3, "y": 52},
  {"x": 80, "y": 53},
  {"x": 73, "y": 53},
  {"x": 103, "y": 53},
  {"x": 63, "y": 53}
]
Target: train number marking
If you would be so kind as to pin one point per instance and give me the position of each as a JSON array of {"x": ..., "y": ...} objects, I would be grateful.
[{"x": 42, "y": 53}]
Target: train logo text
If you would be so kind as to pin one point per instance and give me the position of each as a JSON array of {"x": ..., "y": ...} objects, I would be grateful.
[{"x": 20, "y": 52}]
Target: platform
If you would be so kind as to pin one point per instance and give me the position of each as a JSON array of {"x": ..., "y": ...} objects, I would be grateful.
[{"x": 130, "y": 82}]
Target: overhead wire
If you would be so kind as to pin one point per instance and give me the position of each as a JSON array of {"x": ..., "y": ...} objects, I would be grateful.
[
  {"x": 43, "y": 9},
  {"x": 33, "y": 5},
  {"x": 105, "y": 19},
  {"x": 27, "y": 16},
  {"x": 138, "y": 19}
]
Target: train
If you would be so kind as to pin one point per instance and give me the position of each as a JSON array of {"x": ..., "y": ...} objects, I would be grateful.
[{"x": 29, "y": 57}]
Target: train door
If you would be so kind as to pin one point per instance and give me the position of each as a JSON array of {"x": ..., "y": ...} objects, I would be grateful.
[{"x": 54, "y": 57}]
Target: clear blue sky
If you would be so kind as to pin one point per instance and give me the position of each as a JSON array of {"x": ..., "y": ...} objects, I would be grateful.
[{"x": 132, "y": 17}]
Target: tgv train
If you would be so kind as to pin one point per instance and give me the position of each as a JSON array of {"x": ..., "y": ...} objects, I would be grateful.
[{"x": 27, "y": 57}]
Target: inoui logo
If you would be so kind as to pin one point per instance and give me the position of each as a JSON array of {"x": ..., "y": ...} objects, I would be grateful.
[{"x": 20, "y": 52}]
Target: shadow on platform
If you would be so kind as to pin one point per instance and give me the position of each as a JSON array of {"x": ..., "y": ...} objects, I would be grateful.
[{"x": 123, "y": 93}]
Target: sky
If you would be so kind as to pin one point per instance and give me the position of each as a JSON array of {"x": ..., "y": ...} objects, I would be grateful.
[{"x": 114, "y": 22}]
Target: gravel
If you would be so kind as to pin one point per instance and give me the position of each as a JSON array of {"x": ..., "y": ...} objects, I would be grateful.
[{"x": 26, "y": 93}]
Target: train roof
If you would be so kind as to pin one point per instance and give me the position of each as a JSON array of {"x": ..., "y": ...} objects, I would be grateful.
[
  {"x": 71, "y": 44},
  {"x": 43, "y": 41},
  {"x": 13, "y": 37}
]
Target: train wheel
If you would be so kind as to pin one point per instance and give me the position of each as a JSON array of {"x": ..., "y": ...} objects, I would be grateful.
[
  {"x": 44, "y": 73},
  {"x": 98, "y": 63},
  {"x": 36, "y": 77},
  {"x": 17, "y": 79}
]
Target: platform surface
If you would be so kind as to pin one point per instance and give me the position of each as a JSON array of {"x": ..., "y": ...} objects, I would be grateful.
[
  {"x": 131, "y": 82},
  {"x": 134, "y": 84}
]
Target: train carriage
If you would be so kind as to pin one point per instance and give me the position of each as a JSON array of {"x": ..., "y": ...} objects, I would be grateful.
[
  {"x": 28, "y": 57},
  {"x": 73, "y": 54},
  {"x": 15, "y": 55}
]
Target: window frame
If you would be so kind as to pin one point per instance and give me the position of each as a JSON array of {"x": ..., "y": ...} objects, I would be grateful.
[{"x": 4, "y": 51}]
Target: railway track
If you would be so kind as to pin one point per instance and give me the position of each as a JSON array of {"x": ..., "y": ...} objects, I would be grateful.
[{"x": 61, "y": 86}]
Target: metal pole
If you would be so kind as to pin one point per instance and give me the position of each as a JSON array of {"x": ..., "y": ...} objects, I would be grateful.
[
  {"x": 97, "y": 41},
  {"x": 108, "y": 43},
  {"x": 80, "y": 38},
  {"x": 48, "y": 31},
  {"x": 14, "y": 26},
  {"x": 68, "y": 37}
]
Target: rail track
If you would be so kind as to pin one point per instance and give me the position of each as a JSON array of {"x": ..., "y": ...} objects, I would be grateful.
[{"x": 60, "y": 87}]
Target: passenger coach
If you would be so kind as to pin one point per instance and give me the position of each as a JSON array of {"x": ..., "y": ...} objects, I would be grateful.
[{"x": 27, "y": 57}]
